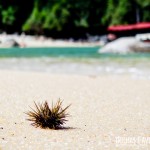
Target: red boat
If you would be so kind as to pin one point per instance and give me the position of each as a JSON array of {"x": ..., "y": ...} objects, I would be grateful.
[{"x": 138, "y": 26}]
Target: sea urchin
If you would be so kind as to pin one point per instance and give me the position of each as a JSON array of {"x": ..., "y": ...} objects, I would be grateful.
[{"x": 44, "y": 117}]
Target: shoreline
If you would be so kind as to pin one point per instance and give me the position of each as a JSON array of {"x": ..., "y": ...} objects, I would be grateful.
[
  {"x": 41, "y": 41},
  {"x": 103, "y": 108}
]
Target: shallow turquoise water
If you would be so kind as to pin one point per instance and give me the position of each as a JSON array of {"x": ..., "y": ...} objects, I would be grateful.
[
  {"x": 72, "y": 52},
  {"x": 50, "y": 52},
  {"x": 75, "y": 60}
]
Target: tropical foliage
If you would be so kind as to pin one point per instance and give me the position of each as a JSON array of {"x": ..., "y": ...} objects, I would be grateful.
[{"x": 70, "y": 17}]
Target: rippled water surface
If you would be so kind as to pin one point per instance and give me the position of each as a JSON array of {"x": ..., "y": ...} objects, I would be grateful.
[{"x": 75, "y": 60}]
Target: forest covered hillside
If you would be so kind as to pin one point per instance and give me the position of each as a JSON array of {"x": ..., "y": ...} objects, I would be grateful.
[{"x": 69, "y": 18}]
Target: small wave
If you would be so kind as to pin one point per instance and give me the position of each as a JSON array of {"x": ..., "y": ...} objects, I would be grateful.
[{"x": 78, "y": 66}]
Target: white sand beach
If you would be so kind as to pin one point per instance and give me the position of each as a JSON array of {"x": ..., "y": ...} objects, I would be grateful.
[
  {"x": 8, "y": 40},
  {"x": 104, "y": 109}
]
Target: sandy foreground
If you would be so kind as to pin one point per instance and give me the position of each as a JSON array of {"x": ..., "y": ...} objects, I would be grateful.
[{"x": 107, "y": 112}]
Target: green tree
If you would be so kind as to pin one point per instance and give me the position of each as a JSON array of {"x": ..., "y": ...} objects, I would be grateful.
[
  {"x": 120, "y": 13},
  {"x": 8, "y": 15},
  {"x": 58, "y": 16},
  {"x": 144, "y": 6},
  {"x": 34, "y": 22},
  {"x": 110, "y": 8}
]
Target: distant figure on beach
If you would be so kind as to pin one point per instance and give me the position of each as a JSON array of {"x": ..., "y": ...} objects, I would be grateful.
[{"x": 111, "y": 37}]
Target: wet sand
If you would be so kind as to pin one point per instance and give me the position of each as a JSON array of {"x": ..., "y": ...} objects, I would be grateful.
[{"x": 104, "y": 109}]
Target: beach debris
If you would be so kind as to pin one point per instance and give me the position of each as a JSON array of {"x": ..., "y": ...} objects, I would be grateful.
[{"x": 45, "y": 117}]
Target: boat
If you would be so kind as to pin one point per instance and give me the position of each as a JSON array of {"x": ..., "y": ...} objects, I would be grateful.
[{"x": 130, "y": 27}]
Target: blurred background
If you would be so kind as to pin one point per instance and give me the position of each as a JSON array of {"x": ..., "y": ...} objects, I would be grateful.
[
  {"x": 70, "y": 18},
  {"x": 95, "y": 22}
]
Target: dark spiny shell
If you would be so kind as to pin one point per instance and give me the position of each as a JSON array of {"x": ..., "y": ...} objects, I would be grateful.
[{"x": 44, "y": 117}]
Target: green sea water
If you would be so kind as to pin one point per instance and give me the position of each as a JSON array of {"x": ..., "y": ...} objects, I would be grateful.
[
  {"x": 67, "y": 52},
  {"x": 74, "y": 60}
]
